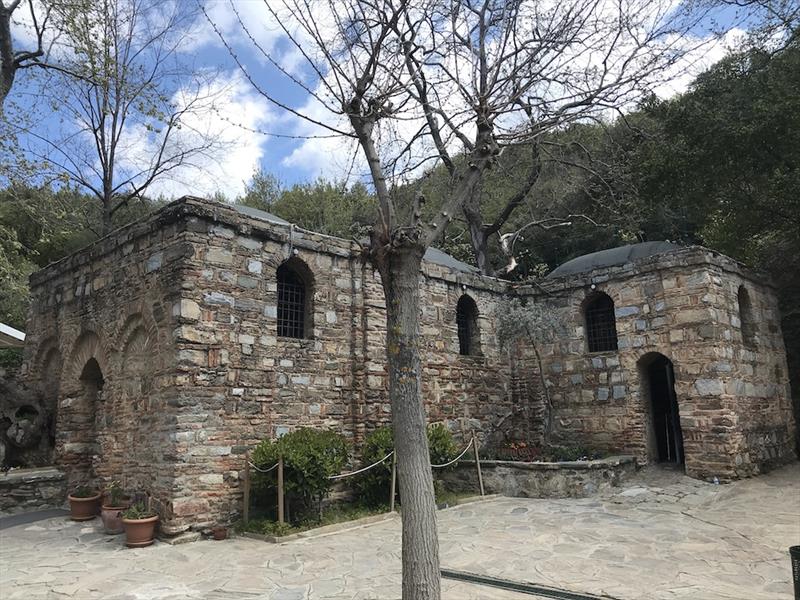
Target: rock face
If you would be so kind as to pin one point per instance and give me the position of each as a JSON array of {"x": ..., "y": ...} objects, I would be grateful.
[
  {"x": 160, "y": 346},
  {"x": 27, "y": 425}
]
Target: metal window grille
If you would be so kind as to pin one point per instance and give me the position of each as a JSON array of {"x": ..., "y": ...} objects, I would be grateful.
[
  {"x": 465, "y": 322},
  {"x": 601, "y": 326},
  {"x": 291, "y": 304}
]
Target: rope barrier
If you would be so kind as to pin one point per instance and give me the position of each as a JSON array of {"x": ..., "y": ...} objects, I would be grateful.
[
  {"x": 367, "y": 468},
  {"x": 343, "y": 475},
  {"x": 456, "y": 459},
  {"x": 263, "y": 470}
]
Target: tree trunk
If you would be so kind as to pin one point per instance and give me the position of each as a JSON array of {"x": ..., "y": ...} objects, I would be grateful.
[
  {"x": 108, "y": 222},
  {"x": 400, "y": 277},
  {"x": 480, "y": 246},
  {"x": 8, "y": 68}
]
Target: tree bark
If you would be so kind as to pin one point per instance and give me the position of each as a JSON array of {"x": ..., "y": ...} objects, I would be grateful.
[
  {"x": 108, "y": 223},
  {"x": 400, "y": 277},
  {"x": 8, "y": 66}
]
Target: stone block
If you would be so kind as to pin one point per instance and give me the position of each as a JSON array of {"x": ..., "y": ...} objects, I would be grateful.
[
  {"x": 249, "y": 243},
  {"x": 222, "y": 231},
  {"x": 154, "y": 262},
  {"x": 247, "y": 282},
  {"x": 219, "y": 256},
  {"x": 218, "y": 298},
  {"x": 184, "y": 507},
  {"x": 709, "y": 387},
  {"x": 186, "y": 309},
  {"x": 626, "y": 311}
]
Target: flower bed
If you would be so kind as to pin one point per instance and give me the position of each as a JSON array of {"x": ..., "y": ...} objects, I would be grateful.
[{"x": 569, "y": 479}]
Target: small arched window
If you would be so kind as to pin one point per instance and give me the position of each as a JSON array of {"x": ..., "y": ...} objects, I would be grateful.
[
  {"x": 601, "y": 325},
  {"x": 294, "y": 300},
  {"x": 746, "y": 317},
  {"x": 467, "y": 324}
]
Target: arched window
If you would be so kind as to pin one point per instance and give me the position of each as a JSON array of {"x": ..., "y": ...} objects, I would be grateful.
[
  {"x": 601, "y": 326},
  {"x": 467, "y": 324},
  {"x": 294, "y": 304},
  {"x": 746, "y": 317}
]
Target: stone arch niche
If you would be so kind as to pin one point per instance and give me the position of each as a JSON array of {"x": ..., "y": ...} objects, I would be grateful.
[
  {"x": 81, "y": 411},
  {"x": 130, "y": 443},
  {"x": 664, "y": 435}
]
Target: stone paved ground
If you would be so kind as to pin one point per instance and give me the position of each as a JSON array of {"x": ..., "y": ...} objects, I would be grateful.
[{"x": 661, "y": 536}]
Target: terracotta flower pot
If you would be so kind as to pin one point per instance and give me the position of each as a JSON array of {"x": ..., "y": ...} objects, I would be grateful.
[
  {"x": 83, "y": 509},
  {"x": 112, "y": 518},
  {"x": 219, "y": 533},
  {"x": 139, "y": 532}
]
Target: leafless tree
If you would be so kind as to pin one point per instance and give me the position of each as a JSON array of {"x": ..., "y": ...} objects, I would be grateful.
[
  {"x": 135, "y": 113},
  {"x": 421, "y": 83}
]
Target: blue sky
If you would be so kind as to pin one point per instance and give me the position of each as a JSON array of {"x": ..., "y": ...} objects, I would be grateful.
[{"x": 243, "y": 116}]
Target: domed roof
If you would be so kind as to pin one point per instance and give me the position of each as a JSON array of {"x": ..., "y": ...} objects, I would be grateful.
[{"x": 612, "y": 257}]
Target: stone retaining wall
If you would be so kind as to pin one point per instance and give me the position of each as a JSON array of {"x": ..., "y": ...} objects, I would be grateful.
[
  {"x": 23, "y": 490},
  {"x": 576, "y": 479}
]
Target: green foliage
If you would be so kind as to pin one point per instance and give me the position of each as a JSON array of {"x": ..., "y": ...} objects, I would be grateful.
[
  {"x": 441, "y": 446},
  {"x": 10, "y": 359},
  {"x": 310, "y": 457},
  {"x": 322, "y": 206},
  {"x": 372, "y": 487},
  {"x": 115, "y": 494},
  {"x": 138, "y": 511},
  {"x": 83, "y": 492},
  {"x": 335, "y": 513},
  {"x": 40, "y": 225}
]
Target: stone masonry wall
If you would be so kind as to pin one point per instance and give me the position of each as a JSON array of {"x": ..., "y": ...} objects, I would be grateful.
[
  {"x": 735, "y": 419},
  {"x": 579, "y": 479},
  {"x": 23, "y": 490},
  {"x": 99, "y": 343},
  {"x": 158, "y": 349},
  {"x": 239, "y": 382}
]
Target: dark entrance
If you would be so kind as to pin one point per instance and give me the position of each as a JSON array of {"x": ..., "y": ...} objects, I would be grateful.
[{"x": 668, "y": 446}]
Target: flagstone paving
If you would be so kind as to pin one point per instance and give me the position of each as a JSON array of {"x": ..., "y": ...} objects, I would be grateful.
[{"x": 660, "y": 536}]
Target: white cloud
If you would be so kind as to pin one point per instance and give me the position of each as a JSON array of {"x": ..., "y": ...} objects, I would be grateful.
[{"x": 233, "y": 120}]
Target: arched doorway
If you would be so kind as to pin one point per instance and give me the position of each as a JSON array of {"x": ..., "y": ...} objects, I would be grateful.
[{"x": 665, "y": 443}]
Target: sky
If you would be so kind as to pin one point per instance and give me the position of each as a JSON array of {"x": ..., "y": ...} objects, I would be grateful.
[{"x": 240, "y": 117}]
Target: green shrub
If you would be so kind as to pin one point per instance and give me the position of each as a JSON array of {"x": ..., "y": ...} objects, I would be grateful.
[
  {"x": 83, "y": 492},
  {"x": 441, "y": 446},
  {"x": 138, "y": 511},
  {"x": 310, "y": 457},
  {"x": 372, "y": 487}
]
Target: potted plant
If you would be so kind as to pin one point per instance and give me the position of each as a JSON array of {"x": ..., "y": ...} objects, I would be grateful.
[
  {"x": 83, "y": 504},
  {"x": 111, "y": 510},
  {"x": 139, "y": 522}
]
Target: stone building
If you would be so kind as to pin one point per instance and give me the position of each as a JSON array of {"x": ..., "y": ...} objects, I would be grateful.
[{"x": 168, "y": 348}]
